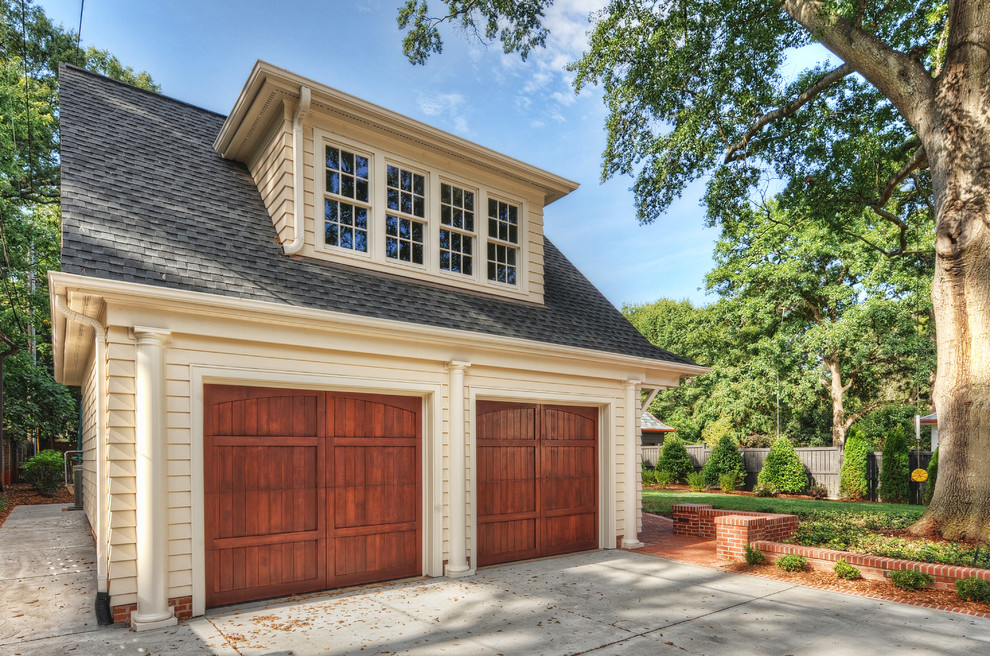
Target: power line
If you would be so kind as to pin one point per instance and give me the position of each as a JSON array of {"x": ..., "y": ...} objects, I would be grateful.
[{"x": 82, "y": 3}]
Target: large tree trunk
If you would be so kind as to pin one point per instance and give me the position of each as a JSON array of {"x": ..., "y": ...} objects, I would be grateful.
[{"x": 958, "y": 145}]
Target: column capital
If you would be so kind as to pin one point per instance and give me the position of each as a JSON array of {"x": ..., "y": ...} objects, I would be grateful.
[
  {"x": 631, "y": 382},
  {"x": 146, "y": 335},
  {"x": 457, "y": 365}
]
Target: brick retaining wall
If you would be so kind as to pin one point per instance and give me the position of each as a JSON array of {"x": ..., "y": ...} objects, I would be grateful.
[{"x": 732, "y": 530}]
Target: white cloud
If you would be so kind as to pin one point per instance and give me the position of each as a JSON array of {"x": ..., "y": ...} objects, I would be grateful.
[{"x": 448, "y": 106}]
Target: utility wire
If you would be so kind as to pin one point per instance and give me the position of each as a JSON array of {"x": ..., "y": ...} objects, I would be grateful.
[{"x": 82, "y": 3}]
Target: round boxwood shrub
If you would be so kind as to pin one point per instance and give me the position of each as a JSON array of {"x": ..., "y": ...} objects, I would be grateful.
[
  {"x": 783, "y": 470},
  {"x": 792, "y": 562},
  {"x": 852, "y": 475},
  {"x": 973, "y": 589},
  {"x": 895, "y": 471},
  {"x": 911, "y": 579},
  {"x": 724, "y": 459},
  {"x": 674, "y": 458},
  {"x": 932, "y": 475},
  {"x": 846, "y": 571},
  {"x": 45, "y": 472}
]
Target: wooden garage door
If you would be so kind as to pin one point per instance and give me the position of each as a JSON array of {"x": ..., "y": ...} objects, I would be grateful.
[
  {"x": 308, "y": 490},
  {"x": 537, "y": 480}
]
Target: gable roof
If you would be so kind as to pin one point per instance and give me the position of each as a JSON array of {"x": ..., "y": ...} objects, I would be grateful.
[{"x": 146, "y": 199}]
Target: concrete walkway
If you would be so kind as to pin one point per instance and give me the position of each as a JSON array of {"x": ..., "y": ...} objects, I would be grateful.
[{"x": 605, "y": 602}]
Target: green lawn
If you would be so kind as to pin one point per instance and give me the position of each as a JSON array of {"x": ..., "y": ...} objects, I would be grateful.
[{"x": 660, "y": 502}]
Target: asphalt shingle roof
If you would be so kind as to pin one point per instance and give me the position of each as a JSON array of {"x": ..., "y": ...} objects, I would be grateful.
[{"x": 146, "y": 199}]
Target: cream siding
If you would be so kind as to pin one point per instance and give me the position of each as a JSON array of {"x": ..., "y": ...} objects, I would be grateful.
[
  {"x": 90, "y": 451},
  {"x": 271, "y": 170}
]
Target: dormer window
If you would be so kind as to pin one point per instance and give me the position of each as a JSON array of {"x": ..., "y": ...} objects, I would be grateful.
[
  {"x": 457, "y": 229},
  {"x": 406, "y": 202},
  {"x": 346, "y": 205},
  {"x": 503, "y": 241}
]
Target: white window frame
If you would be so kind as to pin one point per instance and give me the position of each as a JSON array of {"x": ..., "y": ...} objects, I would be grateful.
[
  {"x": 321, "y": 141},
  {"x": 521, "y": 246},
  {"x": 475, "y": 235},
  {"x": 426, "y": 220}
]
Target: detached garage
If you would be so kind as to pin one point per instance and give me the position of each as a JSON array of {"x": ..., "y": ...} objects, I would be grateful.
[{"x": 321, "y": 344}]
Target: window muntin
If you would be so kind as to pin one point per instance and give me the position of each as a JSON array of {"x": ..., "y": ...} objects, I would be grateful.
[
  {"x": 456, "y": 229},
  {"x": 405, "y": 196},
  {"x": 503, "y": 241},
  {"x": 346, "y": 205}
]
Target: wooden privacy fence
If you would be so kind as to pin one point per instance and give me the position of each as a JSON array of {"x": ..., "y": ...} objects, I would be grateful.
[{"x": 822, "y": 464}]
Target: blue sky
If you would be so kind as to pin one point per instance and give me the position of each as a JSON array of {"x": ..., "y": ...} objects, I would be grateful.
[{"x": 202, "y": 51}]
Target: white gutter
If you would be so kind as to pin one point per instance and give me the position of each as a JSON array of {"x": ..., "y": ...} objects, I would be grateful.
[
  {"x": 298, "y": 234},
  {"x": 101, "y": 485}
]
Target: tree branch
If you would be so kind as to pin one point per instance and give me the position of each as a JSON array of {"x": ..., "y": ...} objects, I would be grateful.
[
  {"x": 902, "y": 79},
  {"x": 738, "y": 152}
]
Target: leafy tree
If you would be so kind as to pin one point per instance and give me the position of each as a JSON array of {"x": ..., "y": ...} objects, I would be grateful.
[
  {"x": 892, "y": 132},
  {"x": 724, "y": 459},
  {"x": 674, "y": 459},
  {"x": 852, "y": 475},
  {"x": 32, "y": 49},
  {"x": 783, "y": 470},
  {"x": 855, "y": 322},
  {"x": 713, "y": 433},
  {"x": 895, "y": 470}
]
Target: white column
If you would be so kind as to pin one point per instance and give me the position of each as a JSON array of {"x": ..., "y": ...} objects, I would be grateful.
[
  {"x": 457, "y": 558},
  {"x": 152, "y": 491},
  {"x": 630, "y": 538}
]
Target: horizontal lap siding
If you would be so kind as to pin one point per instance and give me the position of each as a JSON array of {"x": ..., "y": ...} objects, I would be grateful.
[
  {"x": 121, "y": 418},
  {"x": 272, "y": 173},
  {"x": 90, "y": 451}
]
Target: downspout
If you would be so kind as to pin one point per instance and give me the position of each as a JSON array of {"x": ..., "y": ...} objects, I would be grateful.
[
  {"x": 101, "y": 484},
  {"x": 298, "y": 184}
]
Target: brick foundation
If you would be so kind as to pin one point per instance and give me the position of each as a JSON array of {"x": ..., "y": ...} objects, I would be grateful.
[{"x": 181, "y": 606}]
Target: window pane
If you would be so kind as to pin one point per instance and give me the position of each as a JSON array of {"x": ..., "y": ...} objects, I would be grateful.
[
  {"x": 361, "y": 241},
  {"x": 455, "y": 242},
  {"x": 469, "y": 200},
  {"x": 510, "y": 276},
  {"x": 333, "y": 158},
  {"x": 445, "y": 260},
  {"x": 445, "y": 193},
  {"x": 513, "y": 234},
  {"x": 445, "y": 214},
  {"x": 347, "y": 186},
  {"x": 458, "y": 197},
  {"x": 403, "y": 228},
  {"x": 455, "y": 263},
  {"x": 445, "y": 239},
  {"x": 492, "y": 274},
  {"x": 406, "y": 179},
  {"x": 391, "y": 226},
  {"x": 469, "y": 221},
  {"x": 362, "y": 167},
  {"x": 466, "y": 265},
  {"x": 513, "y": 218},
  {"x": 330, "y": 210},
  {"x": 361, "y": 218},
  {"x": 392, "y": 247},
  {"x": 417, "y": 231},
  {"x": 361, "y": 191},
  {"x": 418, "y": 207},
  {"x": 404, "y": 251},
  {"x": 417, "y": 255},
  {"x": 331, "y": 234},
  {"x": 347, "y": 162},
  {"x": 333, "y": 182},
  {"x": 510, "y": 256},
  {"x": 492, "y": 208},
  {"x": 392, "y": 199},
  {"x": 406, "y": 203},
  {"x": 466, "y": 243},
  {"x": 419, "y": 182},
  {"x": 392, "y": 176},
  {"x": 347, "y": 237}
]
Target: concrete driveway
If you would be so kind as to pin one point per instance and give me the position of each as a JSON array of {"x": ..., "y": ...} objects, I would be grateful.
[{"x": 606, "y": 602}]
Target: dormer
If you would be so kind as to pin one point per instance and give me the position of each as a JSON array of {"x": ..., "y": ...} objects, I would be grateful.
[{"x": 385, "y": 192}]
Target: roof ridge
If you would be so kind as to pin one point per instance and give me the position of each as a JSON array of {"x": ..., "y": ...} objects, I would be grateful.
[{"x": 161, "y": 96}]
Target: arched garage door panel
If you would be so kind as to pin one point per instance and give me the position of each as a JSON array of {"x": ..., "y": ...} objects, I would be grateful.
[
  {"x": 537, "y": 480},
  {"x": 308, "y": 490}
]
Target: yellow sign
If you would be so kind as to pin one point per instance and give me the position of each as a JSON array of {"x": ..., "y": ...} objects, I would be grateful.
[{"x": 919, "y": 476}]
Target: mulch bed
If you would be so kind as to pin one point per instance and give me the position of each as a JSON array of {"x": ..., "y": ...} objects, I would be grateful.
[
  {"x": 22, "y": 494},
  {"x": 660, "y": 541}
]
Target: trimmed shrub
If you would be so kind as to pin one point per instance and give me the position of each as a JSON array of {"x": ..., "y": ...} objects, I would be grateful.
[
  {"x": 932, "y": 475},
  {"x": 783, "y": 470},
  {"x": 674, "y": 458},
  {"x": 910, "y": 579},
  {"x": 45, "y": 471},
  {"x": 724, "y": 459},
  {"x": 792, "y": 563},
  {"x": 895, "y": 471},
  {"x": 662, "y": 478},
  {"x": 763, "y": 491},
  {"x": 846, "y": 571},
  {"x": 728, "y": 482},
  {"x": 697, "y": 481},
  {"x": 647, "y": 475},
  {"x": 973, "y": 589},
  {"x": 754, "y": 556},
  {"x": 852, "y": 476}
]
